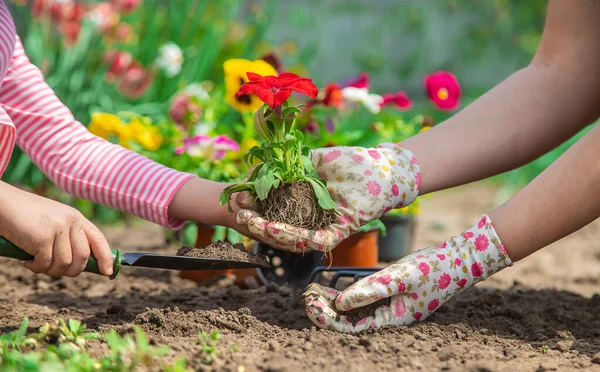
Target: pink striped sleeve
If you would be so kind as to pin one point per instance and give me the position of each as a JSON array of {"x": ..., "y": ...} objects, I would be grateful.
[
  {"x": 7, "y": 45},
  {"x": 77, "y": 161}
]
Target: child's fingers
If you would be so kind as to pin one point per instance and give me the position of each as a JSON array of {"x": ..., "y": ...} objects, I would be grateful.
[
  {"x": 100, "y": 248},
  {"x": 80, "y": 249},
  {"x": 61, "y": 255},
  {"x": 42, "y": 259}
]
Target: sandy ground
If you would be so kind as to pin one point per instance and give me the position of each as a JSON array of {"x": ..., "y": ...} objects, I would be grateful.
[{"x": 546, "y": 302}]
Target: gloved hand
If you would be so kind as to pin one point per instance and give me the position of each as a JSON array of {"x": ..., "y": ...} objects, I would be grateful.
[
  {"x": 364, "y": 183},
  {"x": 414, "y": 287}
]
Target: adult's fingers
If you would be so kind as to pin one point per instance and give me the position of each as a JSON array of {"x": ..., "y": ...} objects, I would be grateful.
[
  {"x": 62, "y": 256},
  {"x": 80, "y": 250},
  {"x": 258, "y": 228},
  {"x": 100, "y": 248},
  {"x": 383, "y": 284}
]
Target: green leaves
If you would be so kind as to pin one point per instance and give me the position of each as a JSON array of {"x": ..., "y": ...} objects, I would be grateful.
[
  {"x": 264, "y": 182},
  {"x": 323, "y": 197}
]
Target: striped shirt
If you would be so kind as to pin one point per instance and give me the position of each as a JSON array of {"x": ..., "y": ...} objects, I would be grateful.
[{"x": 77, "y": 161}]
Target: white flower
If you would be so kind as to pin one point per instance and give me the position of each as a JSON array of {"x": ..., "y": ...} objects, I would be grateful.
[
  {"x": 170, "y": 59},
  {"x": 371, "y": 101},
  {"x": 197, "y": 90}
]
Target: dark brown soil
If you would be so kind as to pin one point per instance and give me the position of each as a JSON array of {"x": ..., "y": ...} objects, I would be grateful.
[
  {"x": 540, "y": 315},
  {"x": 225, "y": 251},
  {"x": 297, "y": 205},
  {"x": 355, "y": 315}
]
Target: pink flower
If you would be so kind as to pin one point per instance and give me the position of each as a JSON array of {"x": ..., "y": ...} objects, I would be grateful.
[
  {"x": 395, "y": 190},
  {"x": 126, "y": 6},
  {"x": 401, "y": 287},
  {"x": 418, "y": 181},
  {"x": 424, "y": 268},
  {"x": 358, "y": 158},
  {"x": 457, "y": 262},
  {"x": 374, "y": 154},
  {"x": 184, "y": 111},
  {"x": 441, "y": 257},
  {"x": 414, "y": 296},
  {"x": 344, "y": 220},
  {"x": 387, "y": 209},
  {"x": 332, "y": 155},
  {"x": 502, "y": 249},
  {"x": 374, "y": 188},
  {"x": 481, "y": 243},
  {"x": 384, "y": 279},
  {"x": 477, "y": 269},
  {"x": 433, "y": 304},
  {"x": 413, "y": 160},
  {"x": 417, "y": 316},
  {"x": 468, "y": 235},
  {"x": 207, "y": 147},
  {"x": 367, "y": 172},
  {"x": 443, "y": 245},
  {"x": 399, "y": 308},
  {"x": 275, "y": 231},
  {"x": 482, "y": 223},
  {"x": 462, "y": 283},
  {"x": 443, "y": 90},
  {"x": 399, "y": 100},
  {"x": 444, "y": 281},
  {"x": 344, "y": 203}
]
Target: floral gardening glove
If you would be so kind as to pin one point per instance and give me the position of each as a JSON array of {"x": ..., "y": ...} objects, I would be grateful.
[
  {"x": 364, "y": 184},
  {"x": 412, "y": 288}
]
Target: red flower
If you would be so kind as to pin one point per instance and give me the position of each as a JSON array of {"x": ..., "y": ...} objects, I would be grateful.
[
  {"x": 444, "y": 281},
  {"x": 333, "y": 95},
  {"x": 126, "y": 6},
  {"x": 275, "y": 90},
  {"x": 361, "y": 81},
  {"x": 135, "y": 81},
  {"x": 477, "y": 269},
  {"x": 417, "y": 316},
  {"x": 482, "y": 222},
  {"x": 481, "y": 242},
  {"x": 118, "y": 62},
  {"x": 70, "y": 30},
  {"x": 468, "y": 235},
  {"x": 424, "y": 268},
  {"x": 443, "y": 89},
  {"x": 462, "y": 282},
  {"x": 433, "y": 304},
  {"x": 385, "y": 279},
  {"x": 399, "y": 99},
  {"x": 184, "y": 111}
]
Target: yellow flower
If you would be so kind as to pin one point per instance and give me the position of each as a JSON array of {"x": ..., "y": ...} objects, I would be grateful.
[
  {"x": 145, "y": 135},
  {"x": 235, "y": 76},
  {"x": 104, "y": 125}
]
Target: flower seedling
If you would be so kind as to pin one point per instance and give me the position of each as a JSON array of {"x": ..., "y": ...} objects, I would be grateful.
[
  {"x": 284, "y": 180},
  {"x": 208, "y": 345}
]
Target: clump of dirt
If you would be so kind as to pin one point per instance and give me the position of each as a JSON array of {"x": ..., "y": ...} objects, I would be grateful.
[
  {"x": 355, "y": 315},
  {"x": 297, "y": 205},
  {"x": 224, "y": 251}
]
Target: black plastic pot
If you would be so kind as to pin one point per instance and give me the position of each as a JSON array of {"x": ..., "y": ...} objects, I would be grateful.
[{"x": 397, "y": 243}]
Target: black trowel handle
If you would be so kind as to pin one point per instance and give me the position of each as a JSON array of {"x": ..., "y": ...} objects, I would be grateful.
[{"x": 8, "y": 249}]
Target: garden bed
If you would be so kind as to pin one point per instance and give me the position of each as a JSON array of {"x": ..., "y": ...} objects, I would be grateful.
[{"x": 503, "y": 325}]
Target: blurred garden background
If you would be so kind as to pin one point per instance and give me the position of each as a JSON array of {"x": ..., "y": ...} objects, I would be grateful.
[{"x": 159, "y": 76}]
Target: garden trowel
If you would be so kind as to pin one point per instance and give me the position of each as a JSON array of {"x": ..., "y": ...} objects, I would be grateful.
[{"x": 139, "y": 259}]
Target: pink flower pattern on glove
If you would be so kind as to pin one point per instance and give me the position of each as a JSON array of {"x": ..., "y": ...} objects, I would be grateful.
[
  {"x": 415, "y": 286},
  {"x": 364, "y": 183}
]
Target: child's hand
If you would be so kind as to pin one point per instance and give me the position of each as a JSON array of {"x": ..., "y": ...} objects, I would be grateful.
[
  {"x": 364, "y": 184},
  {"x": 58, "y": 236}
]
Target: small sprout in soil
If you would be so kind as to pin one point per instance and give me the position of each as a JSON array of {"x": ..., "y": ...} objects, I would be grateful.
[
  {"x": 544, "y": 349},
  {"x": 284, "y": 180},
  {"x": 208, "y": 346},
  {"x": 59, "y": 346}
]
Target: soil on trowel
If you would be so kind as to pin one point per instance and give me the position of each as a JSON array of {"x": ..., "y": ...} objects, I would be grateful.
[{"x": 224, "y": 251}]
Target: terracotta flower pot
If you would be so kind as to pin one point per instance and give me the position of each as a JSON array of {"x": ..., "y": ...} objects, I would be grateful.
[{"x": 359, "y": 250}]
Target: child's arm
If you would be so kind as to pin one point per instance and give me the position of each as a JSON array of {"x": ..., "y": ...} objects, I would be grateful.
[{"x": 77, "y": 161}]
